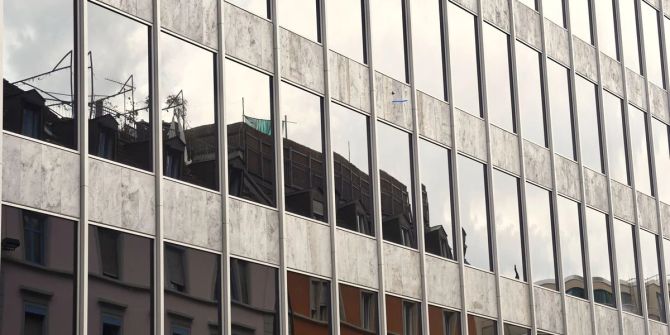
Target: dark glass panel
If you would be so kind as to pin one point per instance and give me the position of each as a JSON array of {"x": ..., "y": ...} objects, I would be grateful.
[
  {"x": 308, "y": 305},
  {"x": 561, "y": 111},
  {"x": 402, "y": 316},
  {"x": 498, "y": 82},
  {"x": 304, "y": 163},
  {"x": 589, "y": 125},
  {"x": 616, "y": 138},
  {"x": 443, "y": 321},
  {"x": 572, "y": 247},
  {"x": 388, "y": 37},
  {"x": 580, "y": 20},
  {"x": 300, "y": 17},
  {"x": 346, "y": 37},
  {"x": 358, "y": 311},
  {"x": 427, "y": 38},
  {"x": 662, "y": 155},
  {"x": 652, "y": 44},
  {"x": 254, "y": 298},
  {"x": 624, "y": 235},
  {"x": 508, "y": 226},
  {"x": 554, "y": 11},
  {"x": 651, "y": 267},
  {"x": 38, "y": 273},
  {"x": 607, "y": 39},
  {"x": 258, "y": 7},
  {"x": 463, "y": 56},
  {"x": 251, "y": 154},
  {"x": 474, "y": 213},
  {"x": 629, "y": 35},
  {"x": 120, "y": 276},
  {"x": 640, "y": 150},
  {"x": 188, "y": 112},
  {"x": 515, "y": 330},
  {"x": 541, "y": 237},
  {"x": 599, "y": 252},
  {"x": 531, "y": 105},
  {"x": 39, "y": 91},
  {"x": 481, "y": 326}
]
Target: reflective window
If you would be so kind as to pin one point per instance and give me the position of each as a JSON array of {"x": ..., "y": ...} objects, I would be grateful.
[
  {"x": 358, "y": 311},
  {"x": 438, "y": 224},
  {"x": 572, "y": 255},
  {"x": 304, "y": 164},
  {"x": 443, "y": 321},
  {"x": 666, "y": 246},
  {"x": 599, "y": 252},
  {"x": 662, "y": 155},
  {"x": 508, "y": 226},
  {"x": 651, "y": 267},
  {"x": 188, "y": 113},
  {"x": 554, "y": 11},
  {"x": 258, "y": 7},
  {"x": 498, "y": 83},
  {"x": 119, "y": 126},
  {"x": 463, "y": 56},
  {"x": 561, "y": 111},
  {"x": 589, "y": 125},
  {"x": 308, "y": 305},
  {"x": 388, "y": 37},
  {"x": 254, "y": 298},
  {"x": 515, "y": 330},
  {"x": 479, "y": 326},
  {"x": 251, "y": 154},
  {"x": 402, "y": 316},
  {"x": 606, "y": 28},
  {"x": 531, "y": 105},
  {"x": 120, "y": 283},
  {"x": 300, "y": 17},
  {"x": 474, "y": 213},
  {"x": 38, "y": 273},
  {"x": 192, "y": 290},
  {"x": 397, "y": 192},
  {"x": 666, "y": 23},
  {"x": 629, "y": 35},
  {"x": 580, "y": 20},
  {"x": 640, "y": 149},
  {"x": 346, "y": 36},
  {"x": 353, "y": 180},
  {"x": 38, "y": 72},
  {"x": 540, "y": 236},
  {"x": 616, "y": 138},
  {"x": 429, "y": 69},
  {"x": 624, "y": 235},
  {"x": 652, "y": 44}
]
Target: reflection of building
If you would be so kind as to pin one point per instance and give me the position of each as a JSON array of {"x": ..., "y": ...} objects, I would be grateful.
[
  {"x": 128, "y": 143},
  {"x": 254, "y": 298},
  {"x": 403, "y": 317},
  {"x": 655, "y": 301},
  {"x": 358, "y": 311},
  {"x": 436, "y": 237},
  {"x": 190, "y": 155},
  {"x": 308, "y": 305}
]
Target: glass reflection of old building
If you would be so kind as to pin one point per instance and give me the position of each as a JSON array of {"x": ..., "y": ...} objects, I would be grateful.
[
  {"x": 308, "y": 305},
  {"x": 254, "y": 298}
]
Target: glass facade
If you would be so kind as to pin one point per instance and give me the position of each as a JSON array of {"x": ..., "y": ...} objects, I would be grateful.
[
  {"x": 627, "y": 269},
  {"x": 572, "y": 247},
  {"x": 358, "y": 311},
  {"x": 541, "y": 236},
  {"x": 474, "y": 213},
  {"x": 616, "y": 138},
  {"x": 589, "y": 124},
  {"x": 402, "y": 316},
  {"x": 254, "y": 297},
  {"x": 498, "y": 83},
  {"x": 508, "y": 226},
  {"x": 465, "y": 61},
  {"x": 561, "y": 110},
  {"x": 531, "y": 104},
  {"x": 599, "y": 257}
]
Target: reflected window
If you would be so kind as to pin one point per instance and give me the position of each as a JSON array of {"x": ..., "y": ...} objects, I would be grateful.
[
  {"x": 300, "y": 17},
  {"x": 508, "y": 226},
  {"x": 540, "y": 236},
  {"x": 572, "y": 247},
  {"x": 580, "y": 20},
  {"x": 251, "y": 153},
  {"x": 34, "y": 235},
  {"x": 561, "y": 110},
  {"x": 358, "y": 311},
  {"x": 599, "y": 252},
  {"x": 474, "y": 213},
  {"x": 443, "y": 321},
  {"x": 395, "y": 178},
  {"x": 629, "y": 35},
  {"x": 304, "y": 162},
  {"x": 353, "y": 180},
  {"x": 662, "y": 156},
  {"x": 34, "y": 319},
  {"x": 308, "y": 305},
  {"x": 254, "y": 298},
  {"x": 652, "y": 44},
  {"x": 388, "y": 37},
  {"x": 515, "y": 330},
  {"x": 258, "y": 7},
  {"x": 616, "y": 138},
  {"x": 531, "y": 104},
  {"x": 481, "y": 326},
  {"x": 589, "y": 124},
  {"x": 438, "y": 223},
  {"x": 640, "y": 150},
  {"x": 463, "y": 55},
  {"x": 119, "y": 112},
  {"x": 402, "y": 316},
  {"x": 651, "y": 267},
  {"x": 624, "y": 235},
  {"x": 498, "y": 82},
  {"x": 427, "y": 39},
  {"x": 188, "y": 112},
  {"x": 606, "y": 21},
  {"x": 554, "y": 11},
  {"x": 109, "y": 252},
  {"x": 347, "y": 37}
]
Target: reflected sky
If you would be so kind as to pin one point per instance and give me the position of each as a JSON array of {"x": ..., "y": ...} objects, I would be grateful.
[
  {"x": 540, "y": 235},
  {"x": 258, "y": 7},
  {"x": 626, "y": 266},
  {"x": 652, "y": 273},
  {"x": 395, "y": 154},
  {"x": 589, "y": 126},
  {"x": 616, "y": 138},
  {"x": 569, "y": 228},
  {"x": 561, "y": 112},
  {"x": 640, "y": 149},
  {"x": 463, "y": 58},
  {"x": 553, "y": 10},
  {"x": 531, "y": 106},
  {"x": 427, "y": 47},
  {"x": 599, "y": 252},
  {"x": 508, "y": 226},
  {"x": 300, "y": 17},
  {"x": 473, "y": 212},
  {"x": 580, "y": 20},
  {"x": 242, "y": 93},
  {"x": 388, "y": 38},
  {"x": 350, "y": 136},
  {"x": 346, "y": 36},
  {"x": 652, "y": 44},
  {"x": 662, "y": 155},
  {"x": 629, "y": 35},
  {"x": 606, "y": 27},
  {"x": 498, "y": 83},
  {"x": 301, "y": 120}
]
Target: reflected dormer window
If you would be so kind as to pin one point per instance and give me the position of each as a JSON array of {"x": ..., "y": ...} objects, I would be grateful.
[
  {"x": 34, "y": 237},
  {"x": 174, "y": 259}
]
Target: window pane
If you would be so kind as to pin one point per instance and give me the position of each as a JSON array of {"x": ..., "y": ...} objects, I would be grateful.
[
  {"x": 32, "y": 289},
  {"x": 396, "y": 185},
  {"x": 652, "y": 275},
  {"x": 464, "y": 60},
  {"x": 353, "y": 181},
  {"x": 474, "y": 213},
  {"x": 606, "y": 28},
  {"x": 561, "y": 111},
  {"x": 254, "y": 297},
  {"x": 540, "y": 236},
  {"x": 346, "y": 36},
  {"x": 508, "y": 226},
  {"x": 531, "y": 106},
  {"x": 580, "y": 20},
  {"x": 402, "y": 316},
  {"x": 640, "y": 149},
  {"x": 480, "y": 326},
  {"x": 300, "y": 17},
  {"x": 666, "y": 23},
  {"x": 498, "y": 83},
  {"x": 443, "y": 321},
  {"x": 666, "y": 246},
  {"x": 624, "y": 234},
  {"x": 304, "y": 164},
  {"x": 190, "y": 135},
  {"x": 515, "y": 330},
  {"x": 553, "y": 10},
  {"x": 388, "y": 37},
  {"x": 125, "y": 303},
  {"x": 258, "y": 7},
  {"x": 358, "y": 311},
  {"x": 629, "y": 36},
  {"x": 438, "y": 224},
  {"x": 589, "y": 125},
  {"x": 38, "y": 70},
  {"x": 572, "y": 256},
  {"x": 662, "y": 155},
  {"x": 308, "y": 305},
  {"x": 652, "y": 44},
  {"x": 251, "y": 154},
  {"x": 599, "y": 252},
  {"x": 427, "y": 46},
  {"x": 616, "y": 138}
]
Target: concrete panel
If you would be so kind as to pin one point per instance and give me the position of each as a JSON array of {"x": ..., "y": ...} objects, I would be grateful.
[
  {"x": 558, "y": 47},
  {"x": 443, "y": 282},
  {"x": 666, "y": 7},
  {"x": 496, "y": 12},
  {"x": 578, "y": 316},
  {"x": 567, "y": 177},
  {"x": 349, "y": 82},
  {"x": 515, "y": 300},
  {"x": 596, "y": 190},
  {"x": 607, "y": 320},
  {"x": 301, "y": 60},
  {"x": 647, "y": 212},
  {"x": 434, "y": 118},
  {"x": 194, "y": 19},
  {"x": 655, "y": 3},
  {"x": 505, "y": 150},
  {"x": 586, "y": 62},
  {"x": 665, "y": 218},
  {"x": 248, "y": 37},
  {"x": 307, "y": 247},
  {"x": 528, "y": 24},
  {"x": 548, "y": 310},
  {"x": 480, "y": 292},
  {"x": 471, "y": 136},
  {"x": 470, "y": 5},
  {"x": 121, "y": 197},
  {"x": 402, "y": 274},
  {"x": 140, "y": 8},
  {"x": 40, "y": 176},
  {"x": 392, "y": 101},
  {"x": 632, "y": 324},
  {"x": 254, "y": 231},
  {"x": 191, "y": 215},
  {"x": 611, "y": 74},
  {"x": 538, "y": 164},
  {"x": 658, "y": 98},
  {"x": 357, "y": 259},
  {"x": 622, "y": 202},
  {"x": 657, "y": 328},
  {"x": 637, "y": 94}
]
